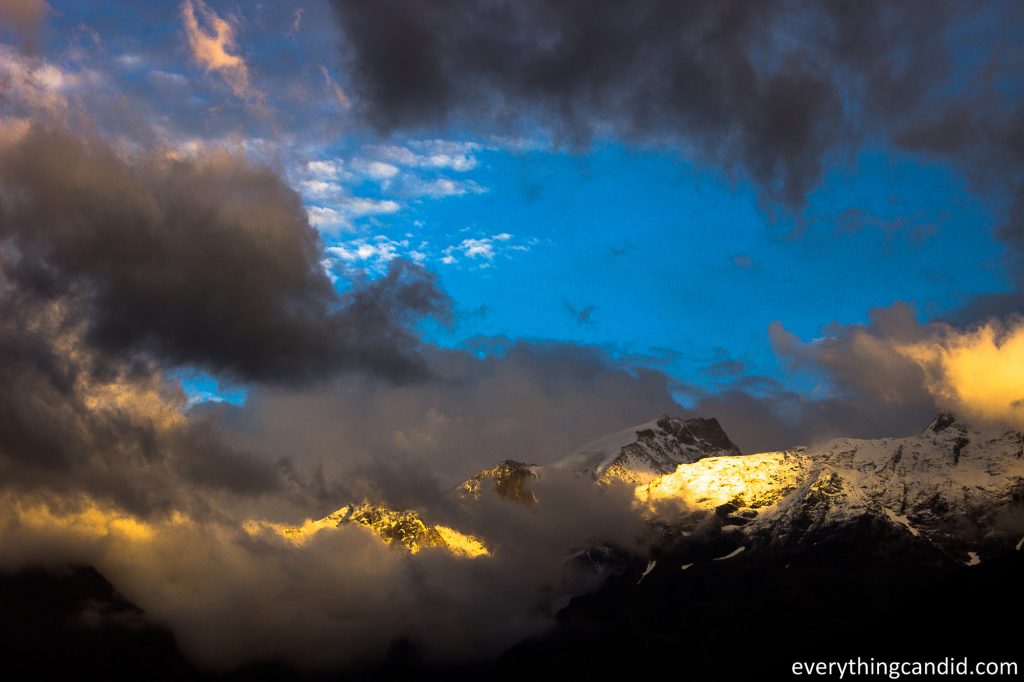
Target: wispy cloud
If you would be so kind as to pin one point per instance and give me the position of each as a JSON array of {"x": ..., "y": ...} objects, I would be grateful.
[
  {"x": 333, "y": 89},
  {"x": 438, "y": 188},
  {"x": 340, "y": 215},
  {"x": 213, "y": 47},
  {"x": 433, "y": 154}
]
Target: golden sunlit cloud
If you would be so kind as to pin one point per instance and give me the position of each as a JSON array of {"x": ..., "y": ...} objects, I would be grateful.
[
  {"x": 212, "y": 47},
  {"x": 83, "y": 518},
  {"x": 978, "y": 374}
]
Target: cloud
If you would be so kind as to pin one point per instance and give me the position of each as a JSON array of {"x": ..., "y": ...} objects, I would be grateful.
[
  {"x": 375, "y": 253},
  {"x": 212, "y": 46},
  {"x": 206, "y": 261},
  {"x": 23, "y": 16},
  {"x": 977, "y": 372},
  {"x": 296, "y": 21},
  {"x": 35, "y": 86},
  {"x": 339, "y": 216},
  {"x": 407, "y": 446},
  {"x": 480, "y": 249},
  {"x": 76, "y": 421},
  {"x": 378, "y": 170},
  {"x": 730, "y": 367},
  {"x": 431, "y": 154},
  {"x": 438, "y": 188},
  {"x": 742, "y": 85},
  {"x": 330, "y": 85},
  {"x": 749, "y": 88},
  {"x": 343, "y": 598},
  {"x": 887, "y": 377},
  {"x": 530, "y": 402}
]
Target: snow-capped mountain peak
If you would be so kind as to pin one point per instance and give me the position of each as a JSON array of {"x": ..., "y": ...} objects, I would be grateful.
[
  {"x": 641, "y": 453},
  {"x": 635, "y": 455},
  {"x": 954, "y": 486}
]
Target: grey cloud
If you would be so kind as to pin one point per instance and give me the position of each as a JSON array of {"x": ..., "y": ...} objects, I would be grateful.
[
  {"x": 207, "y": 262},
  {"x": 407, "y": 444},
  {"x": 867, "y": 389},
  {"x": 76, "y": 423},
  {"x": 772, "y": 88},
  {"x": 118, "y": 265}
]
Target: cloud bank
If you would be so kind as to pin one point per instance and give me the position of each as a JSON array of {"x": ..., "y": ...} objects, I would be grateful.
[{"x": 207, "y": 261}]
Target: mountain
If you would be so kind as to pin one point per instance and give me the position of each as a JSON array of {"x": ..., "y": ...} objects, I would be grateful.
[
  {"x": 890, "y": 549},
  {"x": 403, "y": 528},
  {"x": 641, "y": 453},
  {"x": 635, "y": 455},
  {"x": 905, "y": 548},
  {"x": 953, "y": 486},
  {"x": 68, "y": 622}
]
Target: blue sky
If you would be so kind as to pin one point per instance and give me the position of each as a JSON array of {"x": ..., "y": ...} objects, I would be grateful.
[{"x": 649, "y": 252}]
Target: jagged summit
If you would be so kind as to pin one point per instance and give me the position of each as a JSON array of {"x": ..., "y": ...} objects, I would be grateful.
[
  {"x": 634, "y": 455},
  {"x": 956, "y": 488},
  {"x": 943, "y": 421},
  {"x": 640, "y": 453},
  {"x": 403, "y": 528},
  {"x": 509, "y": 479}
]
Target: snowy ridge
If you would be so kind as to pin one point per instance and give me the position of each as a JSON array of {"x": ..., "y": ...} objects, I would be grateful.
[
  {"x": 954, "y": 487},
  {"x": 641, "y": 453},
  {"x": 635, "y": 455},
  {"x": 596, "y": 456}
]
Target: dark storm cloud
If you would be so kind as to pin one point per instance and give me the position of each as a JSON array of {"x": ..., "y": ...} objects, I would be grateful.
[
  {"x": 772, "y": 88},
  {"x": 208, "y": 262},
  {"x": 73, "y": 422},
  {"x": 117, "y": 265}
]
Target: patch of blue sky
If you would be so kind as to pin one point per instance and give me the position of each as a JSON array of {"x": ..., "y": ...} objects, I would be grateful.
[
  {"x": 662, "y": 254},
  {"x": 201, "y": 387}
]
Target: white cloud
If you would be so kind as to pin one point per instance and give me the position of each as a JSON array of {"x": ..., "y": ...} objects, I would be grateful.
[
  {"x": 130, "y": 60},
  {"x": 167, "y": 78},
  {"x": 432, "y": 154},
  {"x": 339, "y": 216},
  {"x": 477, "y": 248},
  {"x": 371, "y": 254},
  {"x": 439, "y": 187},
  {"x": 375, "y": 170},
  {"x": 320, "y": 189},
  {"x": 329, "y": 169},
  {"x": 481, "y": 250}
]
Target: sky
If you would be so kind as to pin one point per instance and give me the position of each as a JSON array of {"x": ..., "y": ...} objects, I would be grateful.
[
  {"x": 638, "y": 247},
  {"x": 260, "y": 259}
]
